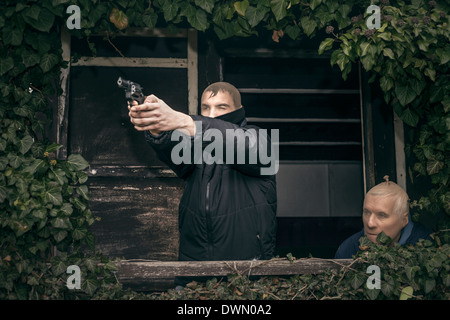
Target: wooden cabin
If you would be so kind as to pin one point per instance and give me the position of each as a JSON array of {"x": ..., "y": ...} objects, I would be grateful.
[{"x": 337, "y": 138}]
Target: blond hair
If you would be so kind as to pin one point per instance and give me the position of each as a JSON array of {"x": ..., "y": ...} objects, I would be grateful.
[{"x": 393, "y": 190}]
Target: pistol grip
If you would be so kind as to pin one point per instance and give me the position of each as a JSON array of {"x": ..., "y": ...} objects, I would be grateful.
[{"x": 140, "y": 99}]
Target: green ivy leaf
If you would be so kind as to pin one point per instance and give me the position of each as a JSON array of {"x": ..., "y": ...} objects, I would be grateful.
[
  {"x": 25, "y": 144},
  {"x": 67, "y": 209},
  {"x": 33, "y": 12},
  {"x": 30, "y": 58},
  {"x": 410, "y": 117},
  {"x": 39, "y": 18},
  {"x": 48, "y": 61},
  {"x": 437, "y": 93},
  {"x": 197, "y": 18},
  {"x": 372, "y": 294},
  {"x": 434, "y": 166},
  {"x": 279, "y": 8},
  {"x": 443, "y": 54},
  {"x": 90, "y": 286},
  {"x": 111, "y": 266},
  {"x": 59, "y": 175},
  {"x": 62, "y": 223},
  {"x": 3, "y": 194},
  {"x": 60, "y": 235},
  {"x": 429, "y": 285},
  {"x": 384, "y": 239},
  {"x": 77, "y": 162},
  {"x": 254, "y": 15},
  {"x": 241, "y": 7},
  {"x": 89, "y": 240},
  {"x": 16, "y": 37},
  {"x": 308, "y": 25},
  {"x": 430, "y": 73},
  {"x": 79, "y": 233},
  {"x": 406, "y": 293},
  {"x": 40, "y": 213},
  {"x": 387, "y": 286},
  {"x": 58, "y": 267},
  {"x": 52, "y": 147},
  {"x": 314, "y": 3},
  {"x": 53, "y": 194},
  {"x": 446, "y": 279},
  {"x": 293, "y": 31},
  {"x": 83, "y": 191},
  {"x": 326, "y": 44},
  {"x": 411, "y": 271},
  {"x": 386, "y": 83},
  {"x": 150, "y": 20},
  {"x": 404, "y": 92},
  {"x": 6, "y": 64},
  {"x": 170, "y": 9},
  {"x": 357, "y": 279},
  {"x": 91, "y": 263},
  {"x": 387, "y": 52},
  {"x": 364, "y": 48},
  {"x": 78, "y": 204},
  {"x": 207, "y": 5},
  {"x": 35, "y": 166}
]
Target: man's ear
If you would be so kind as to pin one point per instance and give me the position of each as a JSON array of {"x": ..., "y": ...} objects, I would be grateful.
[{"x": 405, "y": 218}]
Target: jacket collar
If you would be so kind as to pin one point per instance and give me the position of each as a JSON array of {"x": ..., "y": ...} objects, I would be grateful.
[{"x": 236, "y": 117}]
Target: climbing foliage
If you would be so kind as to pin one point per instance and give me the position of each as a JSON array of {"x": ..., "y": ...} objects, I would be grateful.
[{"x": 44, "y": 199}]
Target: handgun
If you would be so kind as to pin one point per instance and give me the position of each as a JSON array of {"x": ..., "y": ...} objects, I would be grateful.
[{"x": 133, "y": 90}]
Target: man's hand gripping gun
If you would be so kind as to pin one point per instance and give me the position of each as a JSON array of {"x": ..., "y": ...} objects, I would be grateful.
[{"x": 133, "y": 90}]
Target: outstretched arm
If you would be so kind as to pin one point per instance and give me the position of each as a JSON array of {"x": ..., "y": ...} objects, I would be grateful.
[
  {"x": 158, "y": 121},
  {"x": 156, "y": 116}
]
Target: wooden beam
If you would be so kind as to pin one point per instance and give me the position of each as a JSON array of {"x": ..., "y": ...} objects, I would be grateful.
[
  {"x": 63, "y": 99},
  {"x": 144, "y": 271},
  {"x": 400, "y": 160},
  {"x": 131, "y": 62},
  {"x": 192, "y": 65}
]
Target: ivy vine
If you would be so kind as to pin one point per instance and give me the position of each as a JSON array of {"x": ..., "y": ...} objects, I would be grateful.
[
  {"x": 44, "y": 200},
  {"x": 404, "y": 274}
]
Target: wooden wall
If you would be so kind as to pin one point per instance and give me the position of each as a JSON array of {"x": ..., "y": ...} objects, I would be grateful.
[{"x": 136, "y": 196}]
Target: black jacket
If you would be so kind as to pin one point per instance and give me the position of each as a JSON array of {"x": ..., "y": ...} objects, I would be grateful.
[{"x": 227, "y": 211}]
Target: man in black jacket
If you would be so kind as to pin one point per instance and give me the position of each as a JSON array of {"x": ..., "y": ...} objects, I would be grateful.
[{"x": 228, "y": 208}]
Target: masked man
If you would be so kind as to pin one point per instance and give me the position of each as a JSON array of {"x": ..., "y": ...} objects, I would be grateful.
[{"x": 228, "y": 208}]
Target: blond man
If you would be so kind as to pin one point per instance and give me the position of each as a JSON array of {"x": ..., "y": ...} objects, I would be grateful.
[{"x": 385, "y": 209}]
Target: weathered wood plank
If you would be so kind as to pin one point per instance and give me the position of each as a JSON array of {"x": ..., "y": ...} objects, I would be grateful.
[
  {"x": 132, "y": 271},
  {"x": 139, "y": 217}
]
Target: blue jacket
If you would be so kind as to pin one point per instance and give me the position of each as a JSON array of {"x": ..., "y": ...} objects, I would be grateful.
[{"x": 411, "y": 233}]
